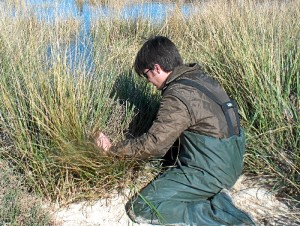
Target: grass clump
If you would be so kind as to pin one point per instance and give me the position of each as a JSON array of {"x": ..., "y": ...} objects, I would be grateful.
[{"x": 50, "y": 110}]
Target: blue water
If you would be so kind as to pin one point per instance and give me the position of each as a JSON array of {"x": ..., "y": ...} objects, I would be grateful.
[{"x": 51, "y": 10}]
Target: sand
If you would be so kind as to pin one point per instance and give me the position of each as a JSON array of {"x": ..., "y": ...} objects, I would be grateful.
[{"x": 258, "y": 201}]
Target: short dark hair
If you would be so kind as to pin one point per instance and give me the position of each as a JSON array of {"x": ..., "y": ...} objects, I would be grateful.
[{"x": 157, "y": 50}]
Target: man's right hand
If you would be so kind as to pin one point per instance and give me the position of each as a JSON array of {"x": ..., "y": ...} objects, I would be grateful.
[{"x": 102, "y": 141}]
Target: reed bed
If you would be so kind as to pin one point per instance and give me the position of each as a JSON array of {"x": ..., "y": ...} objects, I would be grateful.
[
  {"x": 253, "y": 50},
  {"x": 51, "y": 104},
  {"x": 49, "y": 110}
]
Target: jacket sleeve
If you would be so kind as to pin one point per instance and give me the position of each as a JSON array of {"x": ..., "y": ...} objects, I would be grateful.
[{"x": 172, "y": 119}]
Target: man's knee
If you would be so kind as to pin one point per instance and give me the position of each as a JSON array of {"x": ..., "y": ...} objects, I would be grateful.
[{"x": 139, "y": 211}]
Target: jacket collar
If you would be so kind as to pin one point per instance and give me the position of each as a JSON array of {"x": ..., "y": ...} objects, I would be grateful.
[{"x": 179, "y": 71}]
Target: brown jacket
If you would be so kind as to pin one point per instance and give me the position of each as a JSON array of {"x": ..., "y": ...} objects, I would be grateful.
[{"x": 197, "y": 113}]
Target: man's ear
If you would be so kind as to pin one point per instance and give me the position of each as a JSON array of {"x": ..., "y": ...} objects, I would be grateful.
[{"x": 157, "y": 68}]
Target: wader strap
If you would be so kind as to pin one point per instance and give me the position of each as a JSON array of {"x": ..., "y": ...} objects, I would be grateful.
[{"x": 224, "y": 106}]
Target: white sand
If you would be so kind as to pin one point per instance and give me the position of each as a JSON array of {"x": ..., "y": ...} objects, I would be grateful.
[
  {"x": 110, "y": 212},
  {"x": 260, "y": 203}
]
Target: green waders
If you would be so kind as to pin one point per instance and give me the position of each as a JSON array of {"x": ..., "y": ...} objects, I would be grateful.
[{"x": 191, "y": 193}]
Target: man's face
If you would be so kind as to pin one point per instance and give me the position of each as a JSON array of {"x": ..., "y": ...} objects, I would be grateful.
[
  {"x": 152, "y": 77},
  {"x": 156, "y": 76}
]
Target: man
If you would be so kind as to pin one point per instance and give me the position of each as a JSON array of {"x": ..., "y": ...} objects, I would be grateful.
[{"x": 197, "y": 110}]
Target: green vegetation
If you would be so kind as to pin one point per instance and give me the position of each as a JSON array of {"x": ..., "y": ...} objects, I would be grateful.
[{"x": 49, "y": 110}]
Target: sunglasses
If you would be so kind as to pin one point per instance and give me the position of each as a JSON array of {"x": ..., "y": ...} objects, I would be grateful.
[{"x": 145, "y": 73}]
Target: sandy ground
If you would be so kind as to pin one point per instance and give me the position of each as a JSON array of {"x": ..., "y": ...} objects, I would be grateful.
[{"x": 258, "y": 201}]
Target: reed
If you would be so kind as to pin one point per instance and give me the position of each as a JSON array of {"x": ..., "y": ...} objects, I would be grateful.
[
  {"x": 50, "y": 110},
  {"x": 253, "y": 50}
]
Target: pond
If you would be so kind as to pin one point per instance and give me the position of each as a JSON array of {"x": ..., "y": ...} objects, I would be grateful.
[
  {"x": 154, "y": 11},
  {"x": 86, "y": 12}
]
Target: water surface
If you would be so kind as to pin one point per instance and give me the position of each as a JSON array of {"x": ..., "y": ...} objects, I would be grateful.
[{"x": 53, "y": 10}]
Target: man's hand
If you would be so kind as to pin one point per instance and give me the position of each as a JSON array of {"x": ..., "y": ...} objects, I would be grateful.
[{"x": 102, "y": 141}]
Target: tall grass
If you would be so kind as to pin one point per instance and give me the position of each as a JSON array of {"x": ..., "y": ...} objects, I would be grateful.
[
  {"x": 49, "y": 109},
  {"x": 253, "y": 50}
]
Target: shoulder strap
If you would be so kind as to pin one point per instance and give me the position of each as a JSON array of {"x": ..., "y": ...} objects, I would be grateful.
[{"x": 224, "y": 106}]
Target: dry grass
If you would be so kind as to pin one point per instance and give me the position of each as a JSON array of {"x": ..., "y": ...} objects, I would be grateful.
[{"x": 50, "y": 112}]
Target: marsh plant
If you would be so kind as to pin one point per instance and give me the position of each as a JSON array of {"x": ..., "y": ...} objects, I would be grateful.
[
  {"x": 50, "y": 110},
  {"x": 52, "y": 100}
]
